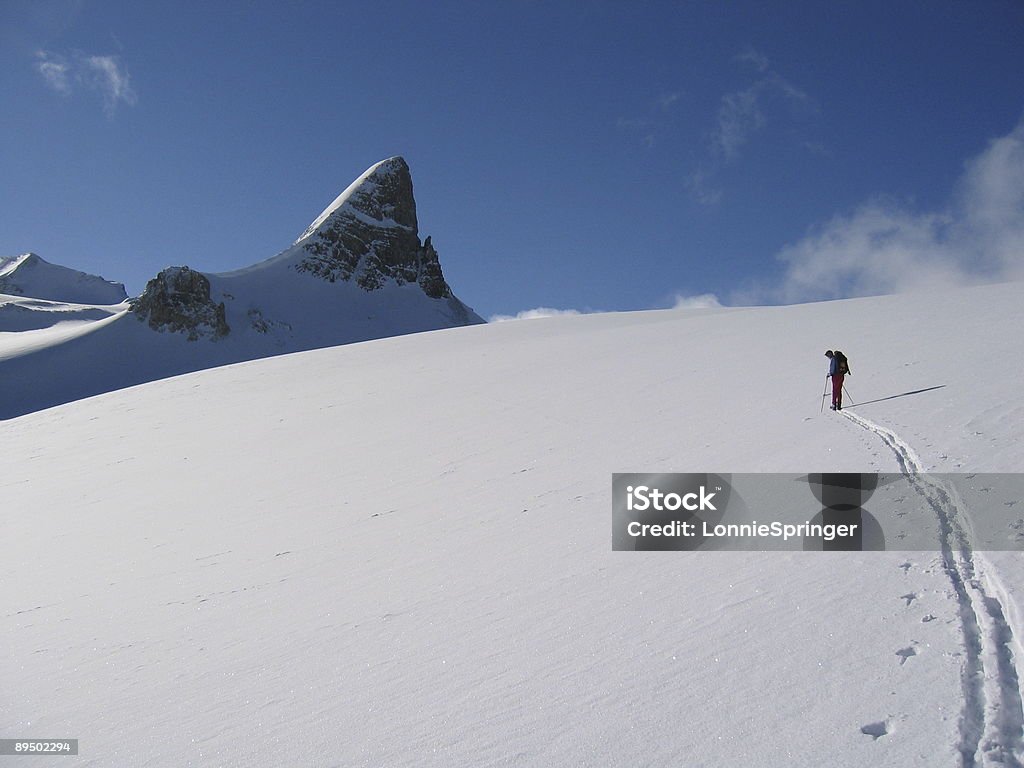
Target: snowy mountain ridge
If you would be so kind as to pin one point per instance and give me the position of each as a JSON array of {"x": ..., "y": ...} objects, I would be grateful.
[
  {"x": 29, "y": 275},
  {"x": 369, "y": 236},
  {"x": 359, "y": 272}
]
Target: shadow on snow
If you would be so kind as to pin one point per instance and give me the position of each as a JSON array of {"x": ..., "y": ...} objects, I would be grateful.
[{"x": 893, "y": 397}]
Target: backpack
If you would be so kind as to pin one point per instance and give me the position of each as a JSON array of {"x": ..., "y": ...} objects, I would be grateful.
[{"x": 842, "y": 364}]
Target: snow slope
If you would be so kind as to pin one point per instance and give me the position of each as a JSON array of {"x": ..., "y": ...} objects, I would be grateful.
[
  {"x": 18, "y": 314},
  {"x": 287, "y": 312},
  {"x": 29, "y": 275},
  {"x": 398, "y": 552}
]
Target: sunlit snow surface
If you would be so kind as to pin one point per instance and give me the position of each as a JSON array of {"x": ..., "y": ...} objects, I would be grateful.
[
  {"x": 399, "y": 552},
  {"x": 29, "y": 275}
]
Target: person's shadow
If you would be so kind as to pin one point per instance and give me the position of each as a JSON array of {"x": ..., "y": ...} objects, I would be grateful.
[{"x": 893, "y": 397}]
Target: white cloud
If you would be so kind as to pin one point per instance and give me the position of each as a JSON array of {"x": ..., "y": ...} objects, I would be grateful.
[
  {"x": 795, "y": 96},
  {"x": 818, "y": 148},
  {"x": 878, "y": 249},
  {"x": 647, "y": 129},
  {"x": 104, "y": 75},
  {"x": 739, "y": 116},
  {"x": 759, "y": 60},
  {"x": 666, "y": 100},
  {"x": 702, "y": 187},
  {"x": 54, "y": 71},
  {"x": 642, "y": 128},
  {"x": 742, "y": 114},
  {"x": 883, "y": 247},
  {"x": 990, "y": 199},
  {"x": 703, "y": 301},
  {"x": 534, "y": 314}
]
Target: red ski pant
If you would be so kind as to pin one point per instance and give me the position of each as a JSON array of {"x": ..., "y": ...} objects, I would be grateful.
[{"x": 837, "y": 388}]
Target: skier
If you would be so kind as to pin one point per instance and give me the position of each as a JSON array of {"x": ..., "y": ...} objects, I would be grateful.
[{"x": 838, "y": 367}]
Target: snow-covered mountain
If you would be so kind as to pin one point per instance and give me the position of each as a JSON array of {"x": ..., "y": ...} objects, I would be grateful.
[
  {"x": 359, "y": 272},
  {"x": 29, "y": 275},
  {"x": 399, "y": 553}
]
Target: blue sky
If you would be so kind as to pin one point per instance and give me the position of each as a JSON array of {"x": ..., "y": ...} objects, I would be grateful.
[{"x": 593, "y": 156}]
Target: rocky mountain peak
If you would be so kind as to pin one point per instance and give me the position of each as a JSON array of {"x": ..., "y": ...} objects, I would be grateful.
[
  {"x": 370, "y": 234},
  {"x": 383, "y": 193},
  {"x": 368, "y": 237}
]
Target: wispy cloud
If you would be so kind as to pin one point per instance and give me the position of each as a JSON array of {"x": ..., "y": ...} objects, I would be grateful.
[
  {"x": 750, "y": 56},
  {"x": 817, "y": 148},
  {"x": 885, "y": 247},
  {"x": 54, "y": 72},
  {"x": 703, "y": 187},
  {"x": 102, "y": 75},
  {"x": 646, "y": 128},
  {"x": 641, "y": 128},
  {"x": 741, "y": 114},
  {"x": 666, "y": 100},
  {"x": 106, "y": 75},
  {"x": 701, "y": 301},
  {"x": 535, "y": 314}
]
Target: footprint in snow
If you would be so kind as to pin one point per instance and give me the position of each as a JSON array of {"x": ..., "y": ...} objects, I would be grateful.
[
  {"x": 909, "y": 597},
  {"x": 875, "y": 730},
  {"x": 906, "y": 653}
]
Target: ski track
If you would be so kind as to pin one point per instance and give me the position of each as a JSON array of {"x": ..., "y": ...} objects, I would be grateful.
[{"x": 992, "y": 719}]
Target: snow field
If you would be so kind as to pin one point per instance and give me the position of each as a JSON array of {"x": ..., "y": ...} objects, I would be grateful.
[{"x": 398, "y": 552}]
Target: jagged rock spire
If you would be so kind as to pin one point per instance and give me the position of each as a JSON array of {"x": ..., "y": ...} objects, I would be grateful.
[{"x": 370, "y": 234}]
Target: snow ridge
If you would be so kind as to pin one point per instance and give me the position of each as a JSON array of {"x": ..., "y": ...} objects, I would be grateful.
[
  {"x": 30, "y": 275},
  {"x": 992, "y": 719}
]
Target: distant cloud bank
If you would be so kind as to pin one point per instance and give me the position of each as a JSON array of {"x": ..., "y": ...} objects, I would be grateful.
[
  {"x": 103, "y": 75},
  {"x": 679, "y": 301},
  {"x": 883, "y": 247},
  {"x": 534, "y": 314},
  {"x": 703, "y": 301}
]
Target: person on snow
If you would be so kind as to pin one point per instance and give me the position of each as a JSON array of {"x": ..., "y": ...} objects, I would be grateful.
[{"x": 838, "y": 368}]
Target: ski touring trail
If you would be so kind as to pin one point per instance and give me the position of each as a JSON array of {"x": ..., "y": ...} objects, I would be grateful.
[{"x": 992, "y": 718}]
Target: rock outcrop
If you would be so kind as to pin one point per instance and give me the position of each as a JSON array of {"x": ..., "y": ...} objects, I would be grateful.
[
  {"x": 178, "y": 300},
  {"x": 370, "y": 235}
]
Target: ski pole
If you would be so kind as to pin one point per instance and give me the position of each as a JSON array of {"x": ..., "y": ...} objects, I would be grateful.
[
  {"x": 823, "y": 393},
  {"x": 848, "y": 395}
]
